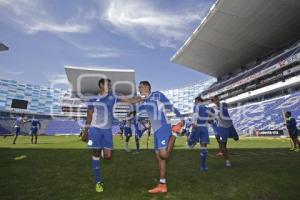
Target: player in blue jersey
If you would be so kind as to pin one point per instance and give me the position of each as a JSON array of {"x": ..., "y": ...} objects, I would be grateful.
[
  {"x": 225, "y": 128},
  {"x": 155, "y": 104},
  {"x": 20, "y": 120},
  {"x": 291, "y": 125},
  {"x": 98, "y": 128},
  {"x": 35, "y": 126},
  {"x": 128, "y": 129},
  {"x": 139, "y": 129},
  {"x": 201, "y": 116}
]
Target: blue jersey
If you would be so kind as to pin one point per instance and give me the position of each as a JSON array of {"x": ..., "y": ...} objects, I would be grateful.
[
  {"x": 223, "y": 116},
  {"x": 291, "y": 124},
  {"x": 155, "y": 105},
  {"x": 35, "y": 123},
  {"x": 18, "y": 121},
  {"x": 201, "y": 115},
  {"x": 102, "y": 107}
]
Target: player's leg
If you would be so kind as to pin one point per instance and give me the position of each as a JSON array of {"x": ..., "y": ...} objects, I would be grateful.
[
  {"x": 171, "y": 143},
  {"x": 137, "y": 143},
  {"x": 31, "y": 135},
  {"x": 295, "y": 140},
  {"x": 224, "y": 132},
  {"x": 107, "y": 144},
  {"x": 161, "y": 145},
  {"x": 148, "y": 139},
  {"x": 128, "y": 134},
  {"x": 292, "y": 138},
  {"x": 162, "y": 166},
  {"x": 95, "y": 142},
  {"x": 219, "y": 144},
  {"x": 17, "y": 132},
  {"x": 204, "y": 140},
  {"x": 35, "y": 138}
]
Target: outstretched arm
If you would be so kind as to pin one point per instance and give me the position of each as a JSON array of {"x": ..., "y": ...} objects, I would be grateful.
[
  {"x": 133, "y": 100},
  {"x": 168, "y": 105}
]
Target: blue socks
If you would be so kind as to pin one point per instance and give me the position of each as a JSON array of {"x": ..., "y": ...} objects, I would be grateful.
[
  {"x": 96, "y": 168},
  {"x": 203, "y": 155}
]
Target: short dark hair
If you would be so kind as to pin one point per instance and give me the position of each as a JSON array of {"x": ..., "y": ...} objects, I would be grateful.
[
  {"x": 146, "y": 83},
  {"x": 288, "y": 113},
  {"x": 103, "y": 80}
]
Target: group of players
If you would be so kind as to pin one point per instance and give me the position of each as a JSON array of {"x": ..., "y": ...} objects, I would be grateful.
[
  {"x": 35, "y": 126},
  {"x": 97, "y": 131},
  {"x": 140, "y": 127}
]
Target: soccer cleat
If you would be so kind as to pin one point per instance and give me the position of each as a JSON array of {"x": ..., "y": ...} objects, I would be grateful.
[
  {"x": 160, "y": 188},
  {"x": 297, "y": 150},
  {"x": 99, "y": 187},
  {"x": 204, "y": 168},
  {"x": 227, "y": 163},
  {"x": 292, "y": 149}
]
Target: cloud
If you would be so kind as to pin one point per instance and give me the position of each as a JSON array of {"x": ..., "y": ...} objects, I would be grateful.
[
  {"x": 32, "y": 17},
  {"x": 92, "y": 50},
  {"x": 149, "y": 25}
]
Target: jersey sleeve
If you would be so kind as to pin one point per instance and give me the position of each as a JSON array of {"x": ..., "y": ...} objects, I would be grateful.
[{"x": 167, "y": 104}]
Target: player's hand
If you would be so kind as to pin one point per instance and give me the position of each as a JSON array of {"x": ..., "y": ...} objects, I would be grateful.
[{"x": 84, "y": 136}]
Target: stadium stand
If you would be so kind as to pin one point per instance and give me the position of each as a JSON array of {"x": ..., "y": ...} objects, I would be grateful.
[{"x": 265, "y": 115}]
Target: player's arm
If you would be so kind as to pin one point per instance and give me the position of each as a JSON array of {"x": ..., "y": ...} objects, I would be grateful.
[
  {"x": 89, "y": 118},
  {"x": 194, "y": 117},
  {"x": 132, "y": 100},
  {"x": 168, "y": 105},
  {"x": 88, "y": 122},
  {"x": 39, "y": 123}
]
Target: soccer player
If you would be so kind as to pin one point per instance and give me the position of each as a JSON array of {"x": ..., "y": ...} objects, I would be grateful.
[
  {"x": 225, "y": 128},
  {"x": 128, "y": 130},
  {"x": 121, "y": 130},
  {"x": 20, "y": 120},
  {"x": 138, "y": 131},
  {"x": 98, "y": 128},
  {"x": 155, "y": 104},
  {"x": 35, "y": 126},
  {"x": 291, "y": 125},
  {"x": 214, "y": 125},
  {"x": 148, "y": 128},
  {"x": 199, "y": 133}
]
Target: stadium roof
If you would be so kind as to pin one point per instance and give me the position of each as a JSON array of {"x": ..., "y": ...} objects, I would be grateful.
[
  {"x": 236, "y": 32},
  {"x": 3, "y": 47},
  {"x": 85, "y": 80}
]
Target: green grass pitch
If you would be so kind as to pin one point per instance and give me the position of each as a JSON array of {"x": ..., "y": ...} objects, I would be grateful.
[{"x": 60, "y": 168}]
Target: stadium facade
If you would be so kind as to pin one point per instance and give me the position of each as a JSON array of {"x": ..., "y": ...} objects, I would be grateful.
[{"x": 252, "y": 48}]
